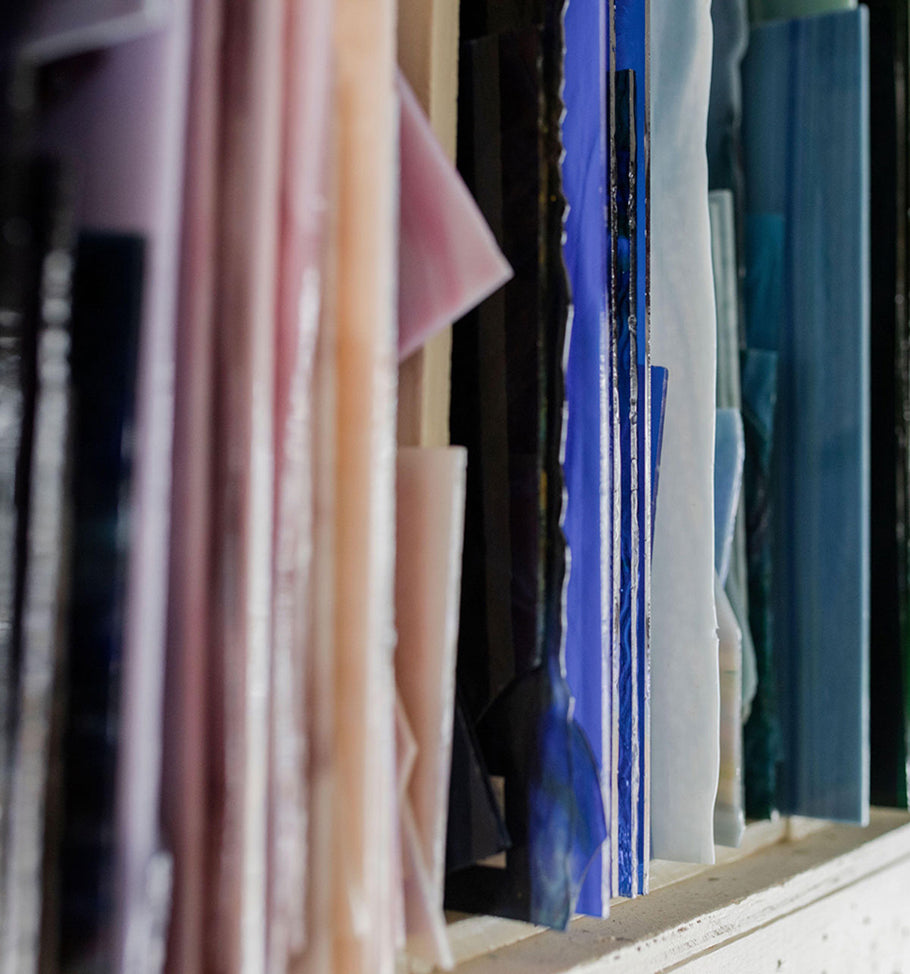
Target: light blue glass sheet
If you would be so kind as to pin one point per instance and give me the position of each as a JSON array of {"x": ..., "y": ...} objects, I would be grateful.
[
  {"x": 806, "y": 149},
  {"x": 724, "y": 262},
  {"x": 729, "y": 453}
]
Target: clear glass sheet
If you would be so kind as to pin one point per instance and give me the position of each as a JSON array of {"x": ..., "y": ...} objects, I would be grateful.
[{"x": 61, "y": 28}]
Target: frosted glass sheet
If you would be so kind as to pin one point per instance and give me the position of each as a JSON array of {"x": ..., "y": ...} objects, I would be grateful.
[
  {"x": 122, "y": 125},
  {"x": 684, "y": 679}
]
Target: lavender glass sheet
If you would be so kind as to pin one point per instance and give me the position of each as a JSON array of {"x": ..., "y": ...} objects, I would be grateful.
[
  {"x": 119, "y": 117},
  {"x": 62, "y": 28}
]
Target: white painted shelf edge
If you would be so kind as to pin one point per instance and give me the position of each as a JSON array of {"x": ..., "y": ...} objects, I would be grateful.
[{"x": 818, "y": 896}]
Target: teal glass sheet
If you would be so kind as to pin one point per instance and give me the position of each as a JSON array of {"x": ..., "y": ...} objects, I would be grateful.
[{"x": 806, "y": 136}]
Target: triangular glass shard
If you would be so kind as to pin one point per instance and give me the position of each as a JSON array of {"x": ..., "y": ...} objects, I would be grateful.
[{"x": 448, "y": 260}]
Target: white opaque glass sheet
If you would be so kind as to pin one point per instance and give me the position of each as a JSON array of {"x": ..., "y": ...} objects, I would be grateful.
[{"x": 684, "y": 677}]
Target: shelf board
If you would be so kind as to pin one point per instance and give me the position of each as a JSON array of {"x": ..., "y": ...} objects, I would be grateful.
[{"x": 811, "y": 893}]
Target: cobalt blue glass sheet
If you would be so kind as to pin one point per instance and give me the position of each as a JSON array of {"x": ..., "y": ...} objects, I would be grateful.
[
  {"x": 659, "y": 380},
  {"x": 623, "y": 278},
  {"x": 806, "y": 138},
  {"x": 630, "y": 31},
  {"x": 630, "y": 26},
  {"x": 587, "y": 473}
]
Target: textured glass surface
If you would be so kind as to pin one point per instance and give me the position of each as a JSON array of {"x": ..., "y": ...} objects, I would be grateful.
[
  {"x": 632, "y": 53},
  {"x": 806, "y": 140},
  {"x": 624, "y": 267}
]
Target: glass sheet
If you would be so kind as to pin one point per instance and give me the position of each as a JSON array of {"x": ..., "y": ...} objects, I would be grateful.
[
  {"x": 729, "y": 452},
  {"x": 730, "y": 21},
  {"x": 105, "y": 331},
  {"x": 32, "y": 814},
  {"x": 511, "y": 352},
  {"x": 628, "y": 669},
  {"x": 725, "y": 262},
  {"x": 684, "y": 678},
  {"x": 806, "y": 138},
  {"x": 632, "y": 54},
  {"x": 762, "y": 10},
  {"x": 130, "y": 165},
  {"x": 889, "y": 43},
  {"x": 587, "y": 451},
  {"x": 447, "y": 258},
  {"x": 729, "y": 815}
]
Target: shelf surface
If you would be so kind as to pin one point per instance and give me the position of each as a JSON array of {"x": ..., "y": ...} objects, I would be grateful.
[{"x": 800, "y": 895}]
